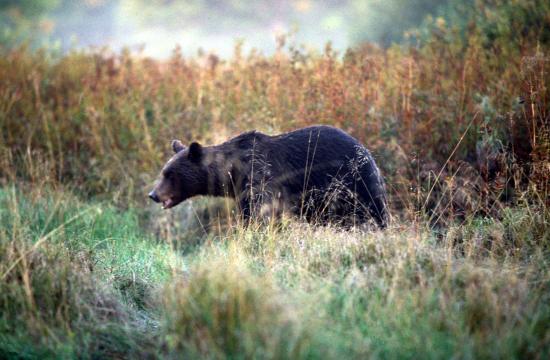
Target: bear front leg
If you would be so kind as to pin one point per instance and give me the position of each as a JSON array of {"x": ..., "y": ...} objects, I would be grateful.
[
  {"x": 244, "y": 205},
  {"x": 249, "y": 209},
  {"x": 250, "y": 202}
]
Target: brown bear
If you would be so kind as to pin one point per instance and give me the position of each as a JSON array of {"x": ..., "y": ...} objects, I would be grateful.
[{"x": 319, "y": 173}]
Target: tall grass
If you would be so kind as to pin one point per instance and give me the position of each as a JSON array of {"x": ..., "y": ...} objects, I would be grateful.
[
  {"x": 85, "y": 280},
  {"x": 91, "y": 116},
  {"x": 459, "y": 125},
  {"x": 74, "y": 277}
]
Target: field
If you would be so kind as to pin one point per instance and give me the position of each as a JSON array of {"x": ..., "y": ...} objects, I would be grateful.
[{"x": 459, "y": 125}]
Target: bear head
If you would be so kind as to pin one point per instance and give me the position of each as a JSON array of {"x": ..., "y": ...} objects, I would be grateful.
[{"x": 182, "y": 177}]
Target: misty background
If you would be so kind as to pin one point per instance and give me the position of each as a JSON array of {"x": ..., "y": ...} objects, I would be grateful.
[{"x": 156, "y": 27}]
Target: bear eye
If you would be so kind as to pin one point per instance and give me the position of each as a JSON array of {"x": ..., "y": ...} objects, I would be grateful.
[{"x": 169, "y": 175}]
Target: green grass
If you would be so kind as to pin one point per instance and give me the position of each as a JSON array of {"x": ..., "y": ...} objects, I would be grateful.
[
  {"x": 458, "y": 125},
  {"x": 75, "y": 278},
  {"x": 86, "y": 280}
]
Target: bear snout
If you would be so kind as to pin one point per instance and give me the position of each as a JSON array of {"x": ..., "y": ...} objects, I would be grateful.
[{"x": 153, "y": 196}]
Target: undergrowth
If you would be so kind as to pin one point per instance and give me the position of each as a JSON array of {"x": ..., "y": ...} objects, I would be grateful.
[{"x": 87, "y": 281}]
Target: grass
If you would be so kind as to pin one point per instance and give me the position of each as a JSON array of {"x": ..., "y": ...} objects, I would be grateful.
[
  {"x": 457, "y": 123},
  {"x": 74, "y": 278},
  {"x": 103, "y": 122},
  {"x": 88, "y": 280}
]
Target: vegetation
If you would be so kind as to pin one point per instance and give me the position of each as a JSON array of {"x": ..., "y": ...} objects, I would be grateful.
[
  {"x": 458, "y": 123},
  {"x": 82, "y": 280}
]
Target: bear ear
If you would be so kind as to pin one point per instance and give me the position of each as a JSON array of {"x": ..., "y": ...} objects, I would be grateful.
[
  {"x": 195, "y": 151},
  {"x": 177, "y": 146}
]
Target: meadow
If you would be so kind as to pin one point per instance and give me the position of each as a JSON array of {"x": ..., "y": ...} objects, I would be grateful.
[{"x": 458, "y": 124}]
